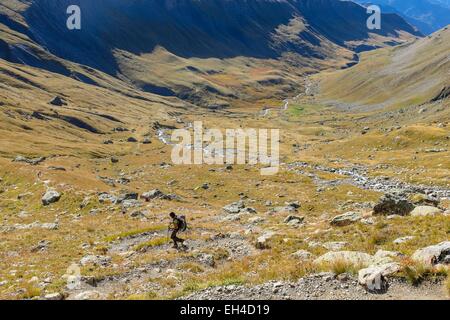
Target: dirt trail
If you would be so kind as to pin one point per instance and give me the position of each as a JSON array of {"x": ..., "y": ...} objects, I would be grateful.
[{"x": 324, "y": 286}]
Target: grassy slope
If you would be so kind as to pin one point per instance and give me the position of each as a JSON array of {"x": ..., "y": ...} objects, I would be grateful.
[{"x": 409, "y": 74}]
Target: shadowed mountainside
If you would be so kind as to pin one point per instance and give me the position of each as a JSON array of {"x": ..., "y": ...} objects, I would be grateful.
[{"x": 136, "y": 41}]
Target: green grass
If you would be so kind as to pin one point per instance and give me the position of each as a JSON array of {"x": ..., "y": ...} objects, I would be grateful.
[{"x": 297, "y": 110}]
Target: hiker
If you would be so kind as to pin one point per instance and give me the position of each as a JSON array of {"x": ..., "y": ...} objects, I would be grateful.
[{"x": 178, "y": 224}]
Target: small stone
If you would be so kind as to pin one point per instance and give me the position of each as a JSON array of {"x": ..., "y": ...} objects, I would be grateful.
[
  {"x": 302, "y": 255},
  {"x": 345, "y": 219},
  {"x": 403, "y": 239},
  {"x": 54, "y": 296},
  {"x": 58, "y": 102}
]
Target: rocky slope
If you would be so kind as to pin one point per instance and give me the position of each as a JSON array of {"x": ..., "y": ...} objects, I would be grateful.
[{"x": 146, "y": 42}]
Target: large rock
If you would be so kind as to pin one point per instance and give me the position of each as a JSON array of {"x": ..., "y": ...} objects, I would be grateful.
[
  {"x": 126, "y": 196},
  {"x": 154, "y": 194},
  {"x": 383, "y": 257},
  {"x": 54, "y": 296},
  {"x": 302, "y": 255},
  {"x": 433, "y": 255},
  {"x": 393, "y": 204},
  {"x": 58, "y": 102},
  {"x": 235, "y": 207},
  {"x": 88, "y": 295},
  {"x": 423, "y": 211},
  {"x": 346, "y": 219},
  {"x": 95, "y": 260},
  {"x": 374, "y": 278},
  {"x": 403, "y": 239},
  {"x": 51, "y": 196},
  {"x": 32, "y": 161},
  {"x": 353, "y": 258},
  {"x": 294, "y": 220},
  {"x": 335, "y": 245},
  {"x": 420, "y": 199},
  {"x": 262, "y": 241}
]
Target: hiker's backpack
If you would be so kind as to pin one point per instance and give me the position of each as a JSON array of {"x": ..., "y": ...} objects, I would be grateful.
[{"x": 183, "y": 224}]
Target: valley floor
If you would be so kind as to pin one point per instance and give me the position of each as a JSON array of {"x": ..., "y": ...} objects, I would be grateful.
[{"x": 333, "y": 162}]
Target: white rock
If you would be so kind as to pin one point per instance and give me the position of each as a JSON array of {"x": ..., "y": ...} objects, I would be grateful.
[
  {"x": 403, "y": 239},
  {"x": 54, "y": 296},
  {"x": 96, "y": 260},
  {"x": 433, "y": 255},
  {"x": 346, "y": 219},
  {"x": 424, "y": 211},
  {"x": 353, "y": 258},
  {"x": 88, "y": 295},
  {"x": 302, "y": 255},
  {"x": 261, "y": 242},
  {"x": 374, "y": 278}
]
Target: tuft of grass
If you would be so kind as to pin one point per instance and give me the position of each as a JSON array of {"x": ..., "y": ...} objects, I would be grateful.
[
  {"x": 415, "y": 272},
  {"x": 340, "y": 266},
  {"x": 191, "y": 286},
  {"x": 31, "y": 292},
  {"x": 145, "y": 296},
  {"x": 192, "y": 267}
]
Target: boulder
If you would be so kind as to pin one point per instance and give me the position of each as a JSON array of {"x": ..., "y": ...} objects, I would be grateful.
[
  {"x": 403, "y": 239},
  {"x": 58, "y": 102},
  {"x": 88, "y": 295},
  {"x": 54, "y": 296},
  {"x": 158, "y": 194},
  {"x": 393, "y": 204},
  {"x": 95, "y": 260},
  {"x": 51, "y": 196},
  {"x": 420, "y": 199},
  {"x": 207, "y": 259},
  {"x": 234, "y": 207},
  {"x": 106, "y": 197},
  {"x": 383, "y": 257},
  {"x": 334, "y": 245},
  {"x": 353, "y": 258},
  {"x": 345, "y": 219},
  {"x": 423, "y": 211},
  {"x": 147, "y": 140},
  {"x": 154, "y": 194},
  {"x": 32, "y": 161},
  {"x": 433, "y": 255},
  {"x": 294, "y": 220},
  {"x": 126, "y": 196},
  {"x": 374, "y": 278},
  {"x": 261, "y": 242},
  {"x": 302, "y": 255}
]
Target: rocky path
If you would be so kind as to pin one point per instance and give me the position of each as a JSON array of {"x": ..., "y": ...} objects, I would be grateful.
[
  {"x": 357, "y": 175},
  {"x": 140, "y": 277},
  {"x": 325, "y": 286}
]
